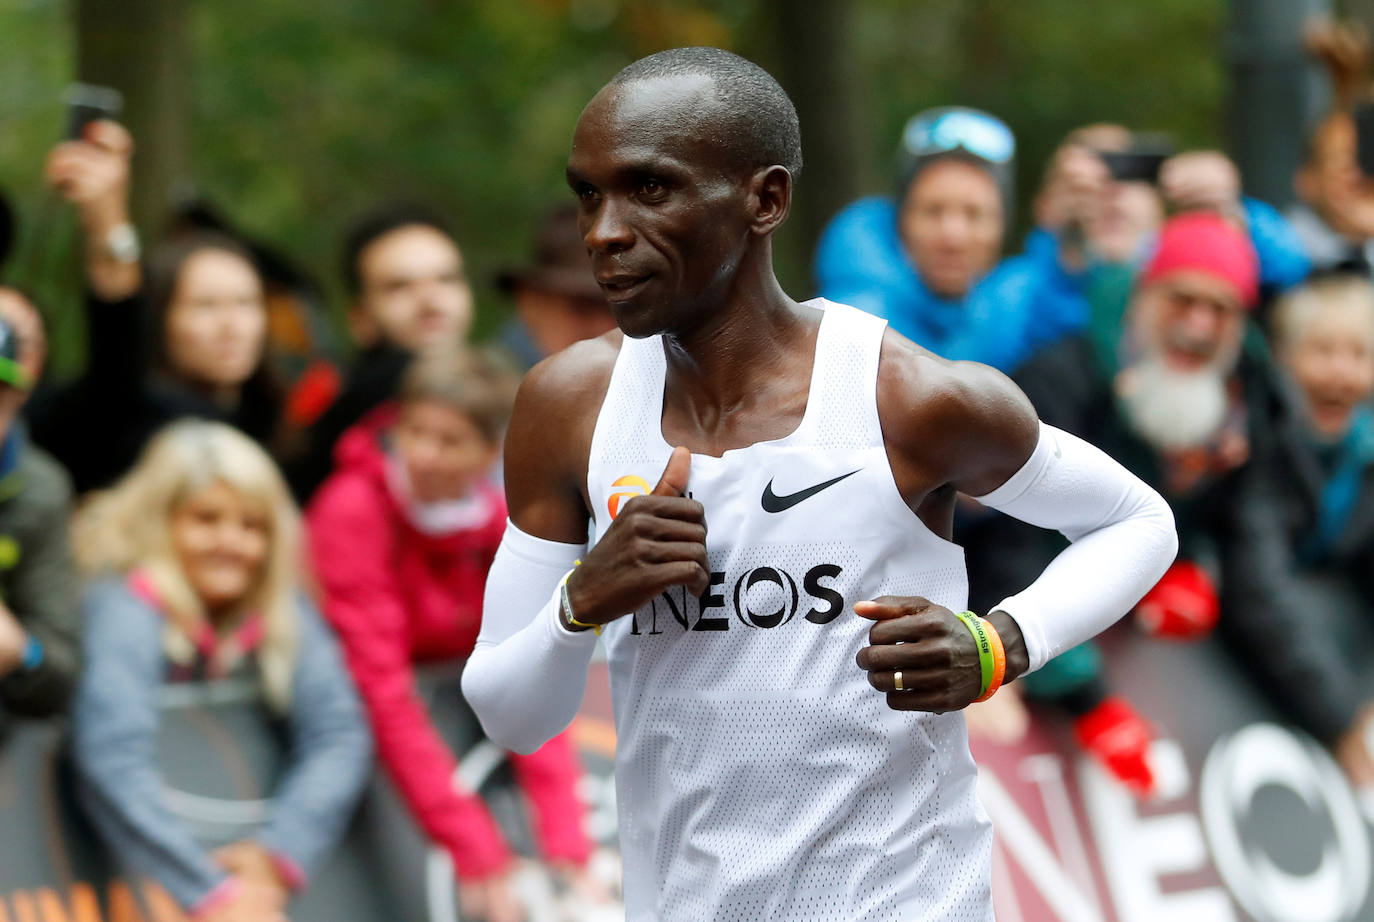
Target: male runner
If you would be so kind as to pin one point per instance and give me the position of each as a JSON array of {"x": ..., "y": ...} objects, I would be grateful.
[{"x": 759, "y": 774}]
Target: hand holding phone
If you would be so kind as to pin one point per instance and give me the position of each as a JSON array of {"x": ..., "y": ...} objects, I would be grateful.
[
  {"x": 91, "y": 171},
  {"x": 87, "y": 103},
  {"x": 93, "y": 174}
]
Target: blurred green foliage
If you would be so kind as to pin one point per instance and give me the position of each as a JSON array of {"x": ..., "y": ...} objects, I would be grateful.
[{"x": 305, "y": 114}]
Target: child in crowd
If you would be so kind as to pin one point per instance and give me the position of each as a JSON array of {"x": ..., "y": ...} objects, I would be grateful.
[
  {"x": 402, "y": 535},
  {"x": 195, "y": 557},
  {"x": 1298, "y": 564}
]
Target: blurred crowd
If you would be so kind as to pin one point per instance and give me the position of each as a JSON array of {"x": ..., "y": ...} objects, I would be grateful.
[{"x": 149, "y": 523}]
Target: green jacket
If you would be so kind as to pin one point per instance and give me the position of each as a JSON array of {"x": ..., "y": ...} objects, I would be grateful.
[{"x": 38, "y": 582}]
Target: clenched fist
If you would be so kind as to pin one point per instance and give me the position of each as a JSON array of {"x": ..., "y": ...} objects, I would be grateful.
[
  {"x": 656, "y": 541},
  {"x": 933, "y": 650}
]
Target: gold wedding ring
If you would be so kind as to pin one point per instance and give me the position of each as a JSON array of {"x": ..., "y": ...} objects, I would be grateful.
[{"x": 897, "y": 680}]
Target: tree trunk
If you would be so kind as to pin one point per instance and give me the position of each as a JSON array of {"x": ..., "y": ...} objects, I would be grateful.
[
  {"x": 819, "y": 66},
  {"x": 1277, "y": 92},
  {"x": 140, "y": 47}
]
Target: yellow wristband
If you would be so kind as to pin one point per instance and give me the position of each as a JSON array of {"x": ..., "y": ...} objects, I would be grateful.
[{"x": 566, "y": 605}]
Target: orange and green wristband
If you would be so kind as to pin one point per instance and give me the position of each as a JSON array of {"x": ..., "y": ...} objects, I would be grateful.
[{"x": 992, "y": 655}]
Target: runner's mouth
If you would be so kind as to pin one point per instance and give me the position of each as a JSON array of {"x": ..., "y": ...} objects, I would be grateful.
[{"x": 622, "y": 287}]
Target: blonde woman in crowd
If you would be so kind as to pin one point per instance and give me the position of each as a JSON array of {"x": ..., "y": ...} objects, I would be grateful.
[{"x": 195, "y": 560}]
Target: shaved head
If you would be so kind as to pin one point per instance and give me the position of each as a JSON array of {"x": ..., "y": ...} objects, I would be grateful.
[{"x": 753, "y": 120}]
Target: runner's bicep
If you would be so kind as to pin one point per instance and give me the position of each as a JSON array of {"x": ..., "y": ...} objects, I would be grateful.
[
  {"x": 543, "y": 452},
  {"x": 999, "y": 435}
]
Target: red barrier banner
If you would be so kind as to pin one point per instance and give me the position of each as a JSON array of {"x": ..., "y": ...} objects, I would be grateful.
[{"x": 1253, "y": 822}]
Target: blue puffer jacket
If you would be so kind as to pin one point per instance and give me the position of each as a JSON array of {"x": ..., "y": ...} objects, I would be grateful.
[{"x": 1021, "y": 305}]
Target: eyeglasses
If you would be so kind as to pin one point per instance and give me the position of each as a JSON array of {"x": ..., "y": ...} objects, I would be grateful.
[{"x": 942, "y": 131}]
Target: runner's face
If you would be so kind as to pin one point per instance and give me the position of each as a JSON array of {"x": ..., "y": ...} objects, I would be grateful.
[{"x": 661, "y": 210}]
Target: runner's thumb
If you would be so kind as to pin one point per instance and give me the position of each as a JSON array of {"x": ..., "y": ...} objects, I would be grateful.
[{"x": 674, "y": 479}]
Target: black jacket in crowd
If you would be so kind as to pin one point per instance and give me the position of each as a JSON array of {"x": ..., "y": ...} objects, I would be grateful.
[
  {"x": 1301, "y": 622},
  {"x": 98, "y": 425},
  {"x": 373, "y": 379}
]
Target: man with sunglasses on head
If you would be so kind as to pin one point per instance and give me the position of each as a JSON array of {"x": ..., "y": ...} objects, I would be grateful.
[{"x": 927, "y": 261}]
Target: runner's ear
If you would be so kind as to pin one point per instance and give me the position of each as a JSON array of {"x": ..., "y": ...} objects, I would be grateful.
[{"x": 771, "y": 196}]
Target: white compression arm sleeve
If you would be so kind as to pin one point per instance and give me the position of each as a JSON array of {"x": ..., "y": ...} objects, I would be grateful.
[
  {"x": 527, "y": 674},
  {"x": 1123, "y": 540}
]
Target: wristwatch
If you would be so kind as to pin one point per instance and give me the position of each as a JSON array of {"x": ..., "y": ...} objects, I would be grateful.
[{"x": 121, "y": 244}]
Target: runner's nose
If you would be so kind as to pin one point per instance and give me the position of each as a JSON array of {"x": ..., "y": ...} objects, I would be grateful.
[{"x": 608, "y": 232}]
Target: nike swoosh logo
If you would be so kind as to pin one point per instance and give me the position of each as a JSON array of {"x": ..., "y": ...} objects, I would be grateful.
[{"x": 772, "y": 502}]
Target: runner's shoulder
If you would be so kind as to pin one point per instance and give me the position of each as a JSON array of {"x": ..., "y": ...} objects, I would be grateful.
[
  {"x": 573, "y": 381},
  {"x": 929, "y": 405}
]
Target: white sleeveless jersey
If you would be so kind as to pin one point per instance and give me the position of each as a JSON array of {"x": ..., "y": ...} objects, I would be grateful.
[{"x": 759, "y": 775}]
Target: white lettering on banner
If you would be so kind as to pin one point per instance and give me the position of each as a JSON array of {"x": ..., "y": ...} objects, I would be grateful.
[
  {"x": 1263, "y": 755},
  {"x": 1046, "y": 772},
  {"x": 1137, "y": 850},
  {"x": 1035, "y": 857},
  {"x": 1004, "y": 897}
]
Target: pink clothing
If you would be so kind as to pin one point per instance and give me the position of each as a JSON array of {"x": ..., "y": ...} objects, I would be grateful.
[{"x": 398, "y": 596}]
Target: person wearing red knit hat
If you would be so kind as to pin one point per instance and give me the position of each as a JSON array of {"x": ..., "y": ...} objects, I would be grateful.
[
  {"x": 1185, "y": 328},
  {"x": 1179, "y": 403}
]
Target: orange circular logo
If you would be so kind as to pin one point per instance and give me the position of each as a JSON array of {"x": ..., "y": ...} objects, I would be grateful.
[{"x": 640, "y": 488}]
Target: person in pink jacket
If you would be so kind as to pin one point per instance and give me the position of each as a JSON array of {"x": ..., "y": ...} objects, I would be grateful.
[{"x": 401, "y": 536}]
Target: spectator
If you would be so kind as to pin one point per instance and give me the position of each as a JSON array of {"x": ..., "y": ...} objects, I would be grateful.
[
  {"x": 1335, "y": 214},
  {"x": 195, "y": 558},
  {"x": 1298, "y": 562},
  {"x": 187, "y": 340},
  {"x": 1108, "y": 221},
  {"x": 298, "y": 333},
  {"x": 1208, "y": 181},
  {"x": 410, "y": 292},
  {"x": 557, "y": 300},
  {"x": 402, "y": 536},
  {"x": 1180, "y": 402},
  {"x": 38, "y": 627},
  {"x": 1116, "y": 230},
  {"x": 928, "y": 261}
]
